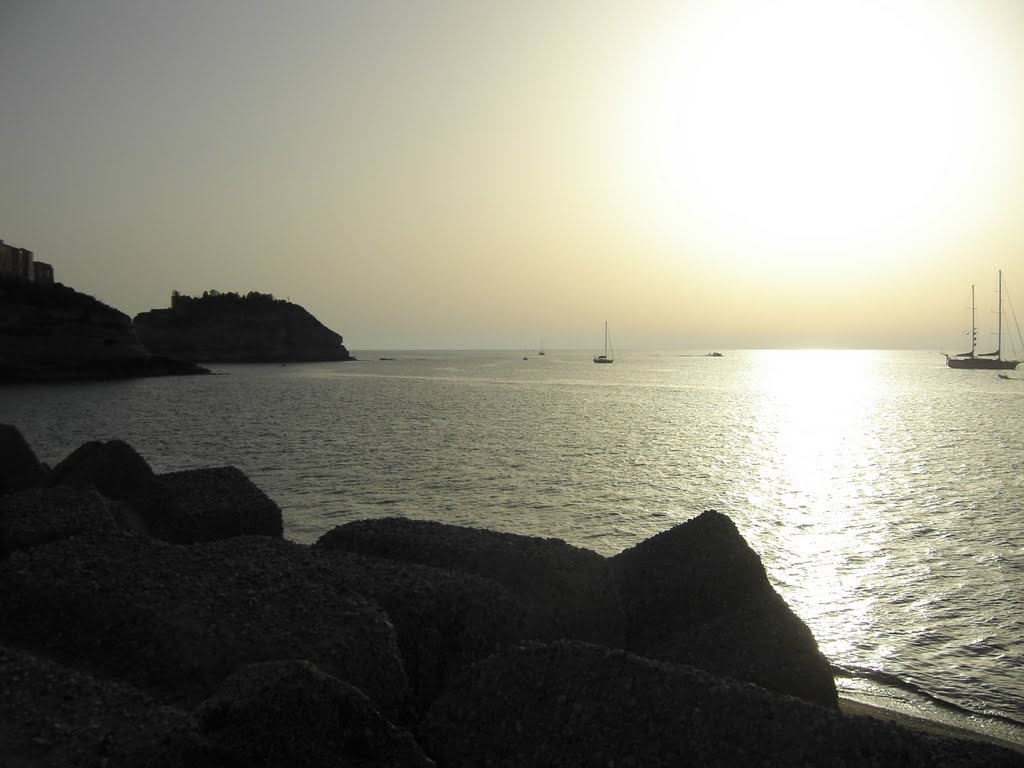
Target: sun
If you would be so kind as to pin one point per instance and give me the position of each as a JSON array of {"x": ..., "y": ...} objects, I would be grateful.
[{"x": 803, "y": 131}]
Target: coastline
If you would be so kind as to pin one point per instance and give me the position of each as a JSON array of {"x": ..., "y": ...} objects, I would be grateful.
[
  {"x": 219, "y": 641},
  {"x": 947, "y": 726}
]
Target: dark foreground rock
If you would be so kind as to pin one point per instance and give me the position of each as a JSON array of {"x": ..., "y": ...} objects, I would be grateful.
[
  {"x": 205, "y": 505},
  {"x": 280, "y": 714},
  {"x": 56, "y": 715},
  {"x": 289, "y": 713},
  {"x": 392, "y": 642},
  {"x": 175, "y": 621},
  {"x": 19, "y": 469},
  {"x": 572, "y": 704},
  {"x": 41, "y": 515},
  {"x": 444, "y": 620},
  {"x": 570, "y": 592},
  {"x": 177, "y": 507},
  {"x": 113, "y": 467},
  {"x": 698, "y": 594}
]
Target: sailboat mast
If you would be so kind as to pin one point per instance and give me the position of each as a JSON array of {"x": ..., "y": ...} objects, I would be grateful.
[
  {"x": 974, "y": 329},
  {"x": 999, "y": 318},
  {"x": 604, "y": 358}
]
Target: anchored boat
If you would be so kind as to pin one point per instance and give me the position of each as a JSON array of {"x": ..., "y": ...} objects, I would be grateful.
[
  {"x": 606, "y": 357},
  {"x": 990, "y": 361}
]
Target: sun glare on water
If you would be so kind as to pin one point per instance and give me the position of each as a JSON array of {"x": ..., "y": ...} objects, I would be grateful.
[
  {"x": 807, "y": 132},
  {"x": 815, "y": 445}
]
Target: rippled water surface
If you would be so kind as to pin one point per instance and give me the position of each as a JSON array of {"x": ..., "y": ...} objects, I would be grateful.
[{"x": 882, "y": 490}]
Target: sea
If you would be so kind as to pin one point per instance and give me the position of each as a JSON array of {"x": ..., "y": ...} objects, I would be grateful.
[{"x": 883, "y": 491}]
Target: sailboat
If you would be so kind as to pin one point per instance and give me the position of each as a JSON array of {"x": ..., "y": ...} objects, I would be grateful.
[
  {"x": 990, "y": 361},
  {"x": 541, "y": 352},
  {"x": 606, "y": 357}
]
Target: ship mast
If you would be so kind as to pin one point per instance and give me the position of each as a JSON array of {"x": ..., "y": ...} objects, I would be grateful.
[
  {"x": 999, "y": 317},
  {"x": 974, "y": 329}
]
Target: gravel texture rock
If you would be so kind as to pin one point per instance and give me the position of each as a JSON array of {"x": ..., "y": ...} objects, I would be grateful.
[
  {"x": 122, "y": 650},
  {"x": 55, "y": 715},
  {"x": 569, "y": 591},
  {"x": 698, "y": 594},
  {"x": 289, "y": 713},
  {"x": 40, "y": 515},
  {"x": 175, "y": 621},
  {"x": 20, "y": 469},
  {"x": 205, "y": 505},
  {"x": 574, "y": 704},
  {"x": 113, "y": 467},
  {"x": 443, "y": 620}
]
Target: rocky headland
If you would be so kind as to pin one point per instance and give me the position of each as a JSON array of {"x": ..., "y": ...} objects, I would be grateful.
[
  {"x": 162, "y": 620},
  {"x": 230, "y": 328},
  {"x": 54, "y": 333}
]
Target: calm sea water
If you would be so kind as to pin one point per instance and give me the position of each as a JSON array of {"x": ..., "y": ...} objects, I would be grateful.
[{"x": 882, "y": 490}]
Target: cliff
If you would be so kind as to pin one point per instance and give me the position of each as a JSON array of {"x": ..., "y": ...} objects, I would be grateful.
[
  {"x": 229, "y": 328},
  {"x": 54, "y": 333}
]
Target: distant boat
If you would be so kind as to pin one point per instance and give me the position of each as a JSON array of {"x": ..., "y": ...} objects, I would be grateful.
[
  {"x": 524, "y": 353},
  {"x": 606, "y": 357},
  {"x": 541, "y": 352},
  {"x": 990, "y": 361}
]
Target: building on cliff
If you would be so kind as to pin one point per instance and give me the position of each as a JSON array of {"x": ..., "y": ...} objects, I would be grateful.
[{"x": 21, "y": 263}]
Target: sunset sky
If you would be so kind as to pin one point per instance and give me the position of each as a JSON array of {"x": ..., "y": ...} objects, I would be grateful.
[{"x": 464, "y": 174}]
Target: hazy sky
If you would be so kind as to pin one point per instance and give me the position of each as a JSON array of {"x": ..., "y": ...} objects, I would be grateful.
[{"x": 455, "y": 173}]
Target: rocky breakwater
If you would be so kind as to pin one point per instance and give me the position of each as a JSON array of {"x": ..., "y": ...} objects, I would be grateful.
[
  {"x": 162, "y": 619},
  {"x": 229, "y": 328},
  {"x": 54, "y": 333}
]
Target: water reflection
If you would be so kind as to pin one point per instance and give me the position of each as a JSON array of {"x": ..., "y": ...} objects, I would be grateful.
[{"x": 816, "y": 426}]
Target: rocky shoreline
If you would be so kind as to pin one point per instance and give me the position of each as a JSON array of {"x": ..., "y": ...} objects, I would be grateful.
[{"x": 162, "y": 620}]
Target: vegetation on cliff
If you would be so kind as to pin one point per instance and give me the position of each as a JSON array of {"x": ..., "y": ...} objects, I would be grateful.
[
  {"x": 230, "y": 327},
  {"x": 14, "y": 291}
]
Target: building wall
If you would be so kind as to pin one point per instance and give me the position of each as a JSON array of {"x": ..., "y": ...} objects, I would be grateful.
[
  {"x": 16, "y": 261},
  {"x": 43, "y": 273},
  {"x": 20, "y": 262}
]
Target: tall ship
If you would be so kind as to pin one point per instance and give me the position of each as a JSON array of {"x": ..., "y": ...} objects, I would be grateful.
[{"x": 992, "y": 361}]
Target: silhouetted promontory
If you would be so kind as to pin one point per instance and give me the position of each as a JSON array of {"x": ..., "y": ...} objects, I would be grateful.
[
  {"x": 231, "y": 328},
  {"x": 50, "y": 332}
]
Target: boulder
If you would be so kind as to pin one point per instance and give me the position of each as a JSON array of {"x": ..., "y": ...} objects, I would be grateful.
[
  {"x": 289, "y": 713},
  {"x": 573, "y": 704},
  {"x": 40, "y": 515},
  {"x": 54, "y": 715},
  {"x": 20, "y": 469},
  {"x": 175, "y": 621},
  {"x": 206, "y": 505},
  {"x": 114, "y": 467},
  {"x": 698, "y": 594},
  {"x": 569, "y": 591},
  {"x": 444, "y": 620}
]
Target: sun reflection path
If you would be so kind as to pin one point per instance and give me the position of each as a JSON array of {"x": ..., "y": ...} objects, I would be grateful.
[{"x": 815, "y": 436}]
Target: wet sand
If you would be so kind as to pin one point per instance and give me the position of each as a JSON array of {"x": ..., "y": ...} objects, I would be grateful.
[{"x": 854, "y": 708}]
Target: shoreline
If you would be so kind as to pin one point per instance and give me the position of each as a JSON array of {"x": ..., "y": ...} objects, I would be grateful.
[
  {"x": 911, "y": 717},
  {"x": 423, "y": 642}
]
